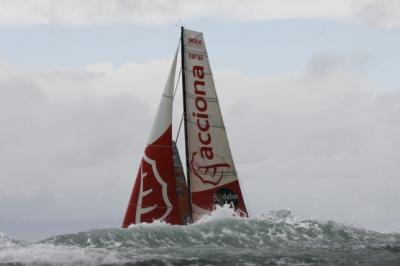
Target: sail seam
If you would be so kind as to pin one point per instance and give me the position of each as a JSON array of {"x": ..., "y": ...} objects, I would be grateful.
[
  {"x": 145, "y": 206},
  {"x": 205, "y": 73},
  {"x": 197, "y": 52},
  {"x": 210, "y": 99},
  {"x": 155, "y": 145},
  {"x": 213, "y": 126},
  {"x": 168, "y": 96}
]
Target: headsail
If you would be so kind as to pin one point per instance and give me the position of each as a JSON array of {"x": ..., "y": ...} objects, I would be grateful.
[
  {"x": 154, "y": 192},
  {"x": 212, "y": 173}
]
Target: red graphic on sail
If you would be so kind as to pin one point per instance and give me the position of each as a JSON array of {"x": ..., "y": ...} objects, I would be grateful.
[
  {"x": 154, "y": 196},
  {"x": 208, "y": 174}
]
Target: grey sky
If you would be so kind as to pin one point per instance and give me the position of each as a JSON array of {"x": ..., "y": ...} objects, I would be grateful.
[{"x": 321, "y": 136}]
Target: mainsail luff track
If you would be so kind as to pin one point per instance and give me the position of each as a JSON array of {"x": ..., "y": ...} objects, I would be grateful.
[{"x": 185, "y": 122}]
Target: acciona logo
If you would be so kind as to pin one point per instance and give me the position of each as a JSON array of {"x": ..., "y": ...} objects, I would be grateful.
[
  {"x": 209, "y": 171},
  {"x": 208, "y": 174}
]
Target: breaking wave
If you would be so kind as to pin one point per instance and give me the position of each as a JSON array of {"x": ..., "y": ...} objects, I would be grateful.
[
  {"x": 6, "y": 241},
  {"x": 275, "y": 238}
]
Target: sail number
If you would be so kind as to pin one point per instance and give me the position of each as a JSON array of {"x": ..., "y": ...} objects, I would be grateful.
[{"x": 196, "y": 56}]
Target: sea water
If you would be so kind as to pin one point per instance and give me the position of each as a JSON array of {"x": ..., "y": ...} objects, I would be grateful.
[{"x": 276, "y": 238}]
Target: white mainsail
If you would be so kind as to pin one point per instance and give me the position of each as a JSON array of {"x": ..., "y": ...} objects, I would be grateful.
[{"x": 212, "y": 173}]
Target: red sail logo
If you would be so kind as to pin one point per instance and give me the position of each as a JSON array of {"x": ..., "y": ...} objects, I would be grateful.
[
  {"x": 209, "y": 174},
  {"x": 153, "y": 201}
]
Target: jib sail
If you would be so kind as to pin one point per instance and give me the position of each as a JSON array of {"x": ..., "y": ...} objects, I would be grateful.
[{"x": 154, "y": 195}]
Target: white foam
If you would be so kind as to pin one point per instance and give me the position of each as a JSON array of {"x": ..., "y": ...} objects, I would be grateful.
[
  {"x": 222, "y": 228},
  {"x": 155, "y": 223},
  {"x": 220, "y": 213},
  {"x": 6, "y": 241},
  {"x": 38, "y": 254}
]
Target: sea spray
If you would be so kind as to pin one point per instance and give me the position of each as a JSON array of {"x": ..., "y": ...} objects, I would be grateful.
[
  {"x": 274, "y": 238},
  {"x": 6, "y": 241}
]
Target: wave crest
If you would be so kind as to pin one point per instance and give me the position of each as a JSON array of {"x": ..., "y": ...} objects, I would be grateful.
[
  {"x": 6, "y": 241},
  {"x": 223, "y": 228},
  {"x": 274, "y": 238}
]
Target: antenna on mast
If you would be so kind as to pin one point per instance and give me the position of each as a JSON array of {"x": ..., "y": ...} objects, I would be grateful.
[{"x": 179, "y": 23}]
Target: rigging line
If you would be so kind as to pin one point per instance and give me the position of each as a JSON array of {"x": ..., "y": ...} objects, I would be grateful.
[
  {"x": 179, "y": 129},
  {"x": 176, "y": 88},
  {"x": 177, "y": 82},
  {"x": 180, "y": 71}
]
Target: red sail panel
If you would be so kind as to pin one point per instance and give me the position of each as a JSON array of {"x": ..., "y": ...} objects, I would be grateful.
[
  {"x": 213, "y": 177},
  {"x": 226, "y": 194},
  {"x": 154, "y": 194}
]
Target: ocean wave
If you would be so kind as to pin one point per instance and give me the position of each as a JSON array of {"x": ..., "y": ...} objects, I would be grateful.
[
  {"x": 273, "y": 238},
  {"x": 224, "y": 228},
  {"x": 6, "y": 241}
]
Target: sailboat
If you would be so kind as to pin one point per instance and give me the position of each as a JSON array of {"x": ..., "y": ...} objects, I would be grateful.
[{"x": 161, "y": 191}]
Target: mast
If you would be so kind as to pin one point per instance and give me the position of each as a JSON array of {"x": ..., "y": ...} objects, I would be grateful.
[{"x": 185, "y": 122}]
